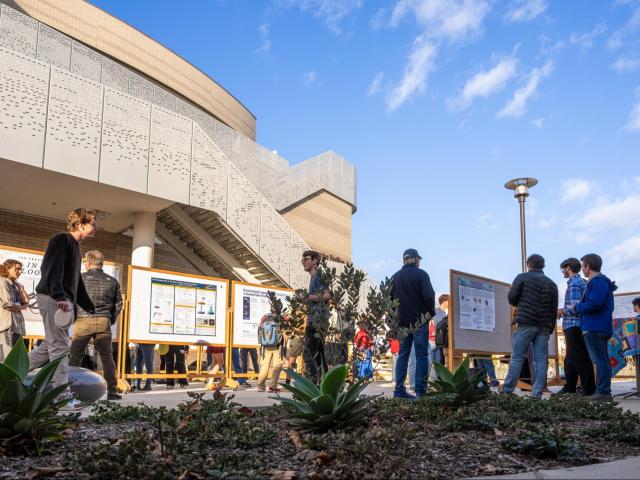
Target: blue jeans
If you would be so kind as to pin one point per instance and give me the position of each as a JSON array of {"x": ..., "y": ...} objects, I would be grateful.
[
  {"x": 599, "y": 354},
  {"x": 244, "y": 354},
  {"x": 420, "y": 341},
  {"x": 144, "y": 355},
  {"x": 411, "y": 367},
  {"x": 487, "y": 365},
  {"x": 237, "y": 365},
  {"x": 524, "y": 336}
]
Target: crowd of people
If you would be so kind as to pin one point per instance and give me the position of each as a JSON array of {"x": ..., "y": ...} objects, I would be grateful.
[{"x": 92, "y": 301}]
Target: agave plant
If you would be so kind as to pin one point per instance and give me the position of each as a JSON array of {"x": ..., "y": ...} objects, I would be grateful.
[
  {"x": 459, "y": 388},
  {"x": 329, "y": 406},
  {"x": 28, "y": 412}
]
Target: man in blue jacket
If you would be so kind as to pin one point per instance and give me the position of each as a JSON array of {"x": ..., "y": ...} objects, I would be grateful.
[
  {"x": 416, "y": 306},
  {"x": 596, "y": 310}
]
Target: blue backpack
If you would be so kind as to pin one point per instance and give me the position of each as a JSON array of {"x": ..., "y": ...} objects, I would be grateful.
[{"x": 268, "y": 333}]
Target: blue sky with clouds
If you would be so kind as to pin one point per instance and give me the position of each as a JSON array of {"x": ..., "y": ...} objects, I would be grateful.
[{"x": 438, "y": 103}]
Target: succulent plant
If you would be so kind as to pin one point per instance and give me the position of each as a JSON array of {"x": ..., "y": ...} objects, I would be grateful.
[
  {"x": 458, "y": 388},
  {"x": 28, "y": 412},
  {"x": 329, "y": 406}
]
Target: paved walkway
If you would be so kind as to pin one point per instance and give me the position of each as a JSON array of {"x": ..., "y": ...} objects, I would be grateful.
[{"x": 251, "y": 397}]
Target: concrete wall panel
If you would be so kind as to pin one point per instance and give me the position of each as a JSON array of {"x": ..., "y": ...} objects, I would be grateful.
[
  {"x": 275, "y": 239},
  {"x": 126, "y": 124},
  {"x": 74, "y": 121},
  {"x": 243, "y": 214},
  {"x": 209, "y": 174},
  {"x": 86, "y": 62},
  {"x": 18, "y": 32},
  {"x": 54, "y": 47},
  {"x": 114, "y": 75},
  {"x": 23, "y": 96},
  {"x": 170, "y": 158}
]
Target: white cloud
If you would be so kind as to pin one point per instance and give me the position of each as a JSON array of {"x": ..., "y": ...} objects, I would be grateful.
[
  {"x": 309, "y": 78},
  {"x": 623, "y": 64},
  {"x": 525, "y": 10},
  {"x": 633, "y": 122},
  {"x": 485, "y": 83},
  {"x": 486, "y": 221},
  {"x": 263, "y": 33},
  {"x": 331, "y": 12},
  {"x": 620, "y": 37},
  {"x": 575, "y": 189},
  {"x": 414, "y": 80},
  {"x": 376, "y": 84},
  {"x": 444, "y": 19},
  {"x": 621, "y": 261},
  {"x": 585, "y": 40},
  {"x": 441, "y": 20},
  {"x": 516, "y": 107},
  {"x": 621, "y": 213},
  {"x": 547, "y": 222},
  {"x": 626, "y": 251},
  {"x": 538, "y": 122}
]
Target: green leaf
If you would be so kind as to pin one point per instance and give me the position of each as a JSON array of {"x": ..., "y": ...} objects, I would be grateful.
[
  {"x": 8, "y": 419},
  {"x": 300, "y": 406},
  {"x": 47, "y": 399},
  {"x": 323, "y": 405},
  {"x": 461, "y": 374},
  {"x": 23, "y": 425},
  {"x": 18, "y": 359},
  {"x": 42, "y": 379},
  {"x": 302, "y": 395},
  {"x": 12, "y": 395},
  {"x": 303, "y": 383},
  {"x": 6, "y": 432},
  {"x": 29, "y": 404},
  {"x": 6, "y": 375},
  {"x": 333, "y": 381},
  {"x": 442, "y": 372}
]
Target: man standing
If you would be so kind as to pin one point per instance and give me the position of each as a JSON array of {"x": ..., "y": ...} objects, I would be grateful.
[
  {"x": 313, "y": 353},
  {"x": 61, "y": 288},
  {"x": 104, "y": 292},
  {"x": 576, "y": 361},
  {"x": 412, "y": 288},
  {"x": 595, "y": 310},
  {"x": 535, "y": 297}
]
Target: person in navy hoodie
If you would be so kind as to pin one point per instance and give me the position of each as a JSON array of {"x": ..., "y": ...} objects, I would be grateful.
[{"x": 596, "y": 310}]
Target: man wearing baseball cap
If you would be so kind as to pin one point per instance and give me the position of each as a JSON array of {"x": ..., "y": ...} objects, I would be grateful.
[{"x": 416, "y": 297}]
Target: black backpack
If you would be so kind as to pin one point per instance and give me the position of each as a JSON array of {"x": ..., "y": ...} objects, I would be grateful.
[{"x": 442, "y": 332}]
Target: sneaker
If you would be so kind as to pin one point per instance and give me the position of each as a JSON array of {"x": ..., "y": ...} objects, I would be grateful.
[
  {"x": 561, "y": 392},
  {"x": 170, "y": 387},
  {"x": 495, "y": 383},
  {"x": 114, "y": 396},
  {"x": 274, "y": 389},
  {"x": 146, "y": 388},
  {"x": 73, "y": 406},
  {"x": 405, "y": 395},
  {"x": 261, "y": 389},
  {"x": 599, "y": 397}
]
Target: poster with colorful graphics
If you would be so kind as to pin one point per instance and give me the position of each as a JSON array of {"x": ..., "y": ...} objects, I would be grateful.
[
  {"x": 250, "y": 303},
  {"x": 167, "y": 307},
  {"x": 625, "y": 322},
  {"x": 31, "y": 263}
]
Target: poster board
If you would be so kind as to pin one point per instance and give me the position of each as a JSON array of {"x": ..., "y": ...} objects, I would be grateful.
[
  {"x": 31, "y": 266},
  {"x": 480, "y": 317},
  {"x": 176, "y": 308},
  {"x": 625, "y": 339},
  {"x": 250, "y": 302}
]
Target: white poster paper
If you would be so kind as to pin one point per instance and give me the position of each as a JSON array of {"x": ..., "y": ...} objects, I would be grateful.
[
  {"x": 477, "y": 306},
  {"x": 176, "y": 308},
  {"x": 250, "y": 304},
  {"x": 31, "y": 264},
  {"x": 623, "y": 308}
]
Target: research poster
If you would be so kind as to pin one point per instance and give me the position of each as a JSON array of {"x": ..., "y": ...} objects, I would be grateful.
[
  {"x": 176, "y": 308},
  {"x": 250, "y": 304},
  {"x": 477, "y": 305},
  {"x": 31, "y": 265}
]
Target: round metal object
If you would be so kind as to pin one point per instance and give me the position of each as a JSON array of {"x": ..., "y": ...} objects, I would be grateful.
[
  {"x": 86, "y": 385},
  {"x": 528, "y": 182}
]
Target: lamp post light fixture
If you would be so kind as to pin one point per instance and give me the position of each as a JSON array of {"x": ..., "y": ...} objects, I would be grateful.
[{"x": 520, "y": 187}]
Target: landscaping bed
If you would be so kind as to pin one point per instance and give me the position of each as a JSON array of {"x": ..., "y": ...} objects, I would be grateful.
[{"x": 211, "y": 437}]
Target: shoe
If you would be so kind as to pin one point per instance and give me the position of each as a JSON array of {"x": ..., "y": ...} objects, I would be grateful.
[
  {"x": 274, "y": 389},
  {"x": 599, "y": 397},
  {"x": 561, "y": 392},
  {"x": 160, "y": 382},
  {"x": 261, "y": 389},
  {"x": 506, "y": 394},
  {"x": 146, "y": 388},
  {"x": 495, "y": 383},
  {"x": 114, "y": 396},
  {"x": 134, "y": 387},
  {"x": 184, "y": 384},
  {"x": 170, "y": 387},
  {"x": 405, "y": 395}
]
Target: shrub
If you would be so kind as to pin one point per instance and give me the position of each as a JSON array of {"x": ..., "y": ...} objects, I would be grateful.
[
  {"x": 457, "y": 389},
  {"x": 329, "y": 406},
  {"x": 28, "y": 412},
  {"x": 549, "y": 444}
]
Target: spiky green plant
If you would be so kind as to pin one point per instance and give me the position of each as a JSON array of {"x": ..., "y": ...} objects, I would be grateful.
[
  {"x": 458, "y": 388},
  {"x": 28, "y": 412},
  {"x": 329, "y": 406}
]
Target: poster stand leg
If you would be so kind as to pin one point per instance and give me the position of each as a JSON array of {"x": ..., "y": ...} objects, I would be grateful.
[{"x": 123, "y": 346}]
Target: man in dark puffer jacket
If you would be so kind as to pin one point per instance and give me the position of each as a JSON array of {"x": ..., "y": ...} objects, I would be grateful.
[{"x": 535, "y": 297}]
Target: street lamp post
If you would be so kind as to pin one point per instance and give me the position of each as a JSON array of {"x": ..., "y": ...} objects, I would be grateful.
[{"x": 520, "y": 187}]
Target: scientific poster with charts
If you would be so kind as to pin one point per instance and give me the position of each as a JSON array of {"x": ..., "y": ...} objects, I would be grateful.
[
  {"x": 250, "y": 304},
  {"x": 31, "y": 265},
  {"x": 477, "y": 306},
  {"x": 167, "y": 307}
]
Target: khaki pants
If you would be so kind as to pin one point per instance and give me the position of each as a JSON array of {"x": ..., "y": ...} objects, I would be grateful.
[
  {"x": 5, "y": 344},
  {"x": 98, "y": 328},
  {"x": 55, "y": 344},
  {"x": 272, "y": 359}
]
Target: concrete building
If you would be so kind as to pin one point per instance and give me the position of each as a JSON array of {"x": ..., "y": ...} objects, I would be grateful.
[{"x": 94, "y": 113}]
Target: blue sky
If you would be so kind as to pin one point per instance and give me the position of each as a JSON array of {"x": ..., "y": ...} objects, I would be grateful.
[{"x": 438, "y": 103}]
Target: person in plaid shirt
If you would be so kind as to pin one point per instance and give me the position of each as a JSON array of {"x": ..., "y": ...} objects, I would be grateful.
[{"x": 576, "y": 361}]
